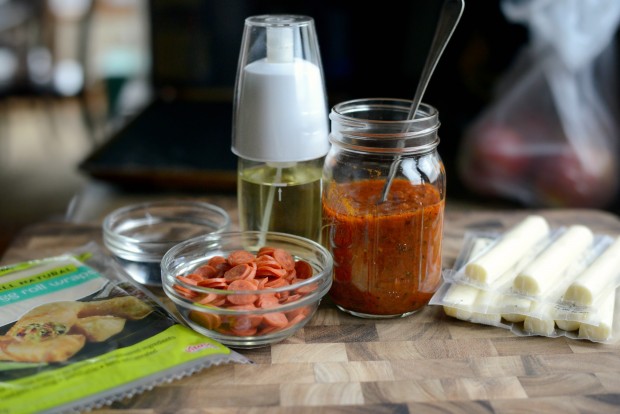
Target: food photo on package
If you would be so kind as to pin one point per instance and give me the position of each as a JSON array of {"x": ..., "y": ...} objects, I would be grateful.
[
  {"x": 563, "y": 284},
  {"x": 77, "y": 334}
]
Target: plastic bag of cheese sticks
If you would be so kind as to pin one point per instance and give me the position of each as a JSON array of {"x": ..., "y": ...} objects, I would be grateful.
[
  {"x": 77, "y": 334},
  {"x": 525, "y": 318},
  {"x": 553, "y": 315},
  {"x": 540, "y": 267}
]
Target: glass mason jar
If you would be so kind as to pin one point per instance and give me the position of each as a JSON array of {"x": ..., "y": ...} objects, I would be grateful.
[{"x": 386, "y": 242}]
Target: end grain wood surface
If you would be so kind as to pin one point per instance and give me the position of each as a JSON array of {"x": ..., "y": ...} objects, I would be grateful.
[{"x": 426, "y": 363}]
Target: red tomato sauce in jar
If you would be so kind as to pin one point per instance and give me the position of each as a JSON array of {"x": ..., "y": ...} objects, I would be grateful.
[{"x": 387, "y": 256}]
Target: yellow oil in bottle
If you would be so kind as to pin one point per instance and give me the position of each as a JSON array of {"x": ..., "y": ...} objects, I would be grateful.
[{"x": 282, "y": 197}]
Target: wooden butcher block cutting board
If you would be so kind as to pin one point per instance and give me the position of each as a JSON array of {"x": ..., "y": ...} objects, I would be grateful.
[{"x": 427, "y": 362}]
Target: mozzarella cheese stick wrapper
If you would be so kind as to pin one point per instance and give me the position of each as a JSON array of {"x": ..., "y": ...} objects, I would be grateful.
[
  {"x": 461, "y": 295},
  {"x": 545, "y": 270},
  {"x": 457, "y": 313},
  {"x": 604, "y": 330},
  {"x": 539, "y": 326},
  {"x": 567, "y": 325},
  {"x": 602, "y": 274},
  {"x": 486, "y": 318},
  {"x": 476, "y": 317},
  {"x": 466, "y": 299},
  {"x": 515, "y": 308},
  {"x": 485, "y": 300},
  {"x": 512, "y": 246},
  {"x": 543, "y": 324},
  {"x": 474, "y": 248}
]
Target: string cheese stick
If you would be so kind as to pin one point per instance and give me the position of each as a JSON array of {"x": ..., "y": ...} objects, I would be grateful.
[
  {"x": 518, "y": 307},
  {"x": 461, "y": 296},
  {"x": 512, "y": 246},
  {"x": 567, "y": 325},
  {"x": 485, "y": 318},
  {"x": 457, "y": 313},
  {"x": 545, "y": 271},
  {"x": 544, "y": 324},
  {"x": 483, "y": 300},
  {"x": 539, "y": 326},
  {"x": 597, "y": 277},
  {"x": 466, "y": 299},
  {"x": 603, "y": 330}
]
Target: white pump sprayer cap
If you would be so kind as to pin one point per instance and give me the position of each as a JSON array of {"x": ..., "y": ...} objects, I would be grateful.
[
  {"x": 280, "y": 112},
  {"x": 280, "y": 44}
]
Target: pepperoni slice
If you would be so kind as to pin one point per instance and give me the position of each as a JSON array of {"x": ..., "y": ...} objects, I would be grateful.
[
  {"x": 303, "y": 269},
  {"x": 276, "y": 283},
  {"x": 244, "y": 332},
  {"x": 275, "y": 319},
  {"x": 261, "y": 282},
  {"x": 183, "y": 291},
  {"x": 267, "y": 300},
  {"x": 242, "y": 299},
  {"x": 265, "y": 251},
  {"x": 219, "y": 302},
  {"x": 292, "y": 298},
  {"x": 238, "y": 257},
  {"x": 285, "y": 259},
  {"x": 194, "y": 276},
  {"x": 270, "y": 272},
  {"x": 246, "y": 322},
  {"x": 214, "y": 283},
  {"x": 247, "y": 307},
  {"x": 188, "y": 280},
  {"x": 267, "y": 261},
  {"x": 242, "y": 271},
  {"x": 216, "y": 260},
  {"x": 291, "y": 276},
  {"x": 206, "y": 271},
  {"x": 221, "y": 269},
  {"x": 241, "y": 284},
  {"x": 207, "y": 299}
]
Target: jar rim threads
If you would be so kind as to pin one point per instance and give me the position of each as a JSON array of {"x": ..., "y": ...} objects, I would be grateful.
[{"x": 382, "y": 125}]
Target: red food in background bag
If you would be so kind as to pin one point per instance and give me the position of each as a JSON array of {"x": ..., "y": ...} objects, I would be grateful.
[
  {"x": 550, "y": 139},
  {"x": 568, "y": 181},
  {"x": 494, "y": 151}
]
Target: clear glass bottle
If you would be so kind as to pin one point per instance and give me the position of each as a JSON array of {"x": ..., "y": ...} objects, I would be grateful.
[
  {"x": 281, "y": 197},
  {"x": 280, "y": 126},
  {"x": 387, "y": 251}
]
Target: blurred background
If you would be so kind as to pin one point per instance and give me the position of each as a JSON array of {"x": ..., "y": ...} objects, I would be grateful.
[{"x": 136, "y": 95}]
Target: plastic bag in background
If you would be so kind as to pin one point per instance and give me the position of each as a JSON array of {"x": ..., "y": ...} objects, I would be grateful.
[{"x": 550, "y": 138}]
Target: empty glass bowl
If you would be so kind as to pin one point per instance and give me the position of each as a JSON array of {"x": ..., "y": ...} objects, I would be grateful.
[
  {"x": 139, "y": 235},
  {"x": 273, "y": 298}
]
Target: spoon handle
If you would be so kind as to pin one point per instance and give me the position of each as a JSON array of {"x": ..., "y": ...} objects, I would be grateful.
[{"x": 449, "y": 17}]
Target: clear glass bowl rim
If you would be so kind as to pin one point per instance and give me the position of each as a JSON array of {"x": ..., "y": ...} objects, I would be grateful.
[
  {"x": 119, "y": 243},
  {"x": 168, "y": 278}
]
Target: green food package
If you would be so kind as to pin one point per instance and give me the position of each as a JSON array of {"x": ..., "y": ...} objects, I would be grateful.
[{"x": 77, "y": 334}]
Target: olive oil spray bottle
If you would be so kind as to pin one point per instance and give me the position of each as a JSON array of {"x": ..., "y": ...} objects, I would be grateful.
[{"x": 280, "y": 126}]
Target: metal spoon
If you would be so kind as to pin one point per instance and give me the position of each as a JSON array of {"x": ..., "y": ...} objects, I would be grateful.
[{"x": 449, "y": 17}]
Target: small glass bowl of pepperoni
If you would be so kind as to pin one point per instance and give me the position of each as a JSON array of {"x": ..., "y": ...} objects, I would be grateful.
[{"x": 247, "y": 289}]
